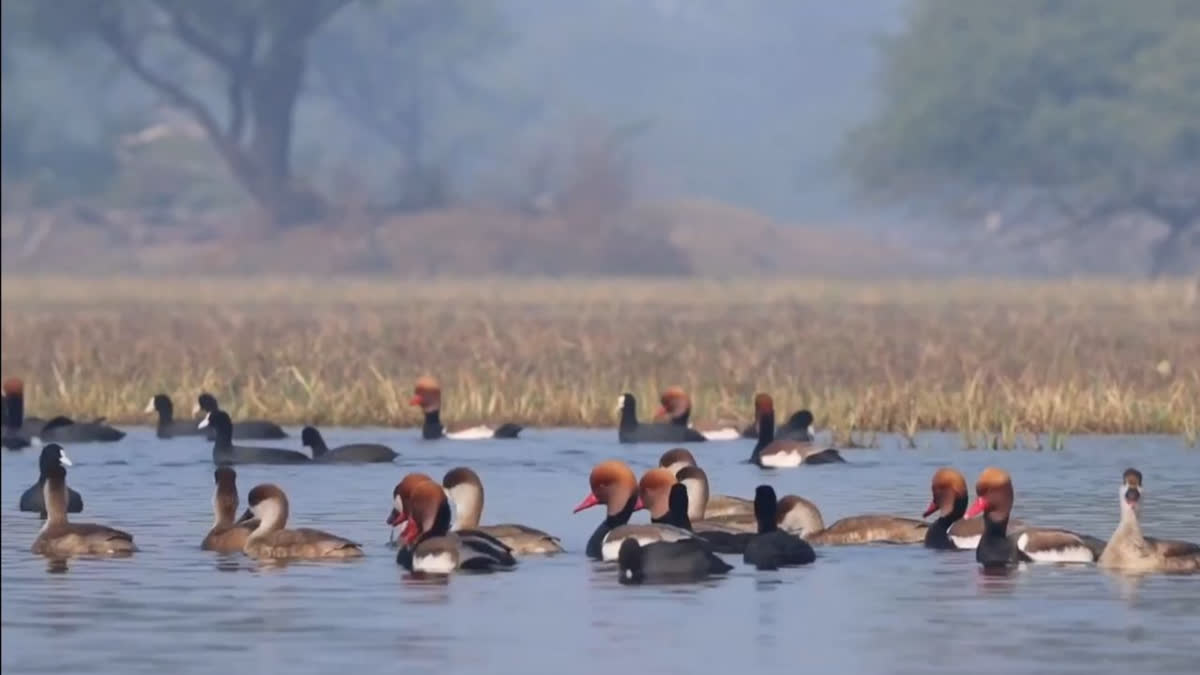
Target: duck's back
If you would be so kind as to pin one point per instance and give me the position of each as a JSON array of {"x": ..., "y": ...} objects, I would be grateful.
[{"x": 83, "y": 539}]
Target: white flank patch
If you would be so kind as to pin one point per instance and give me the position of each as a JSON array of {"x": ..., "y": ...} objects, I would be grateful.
[
  {"x": 726, "y": 434},
  {"x": 437, "y": 563},
  {"x": 608, "y": 552},
  {"x": 472, "y": 434},
  {"x": 203, "y": 423},
  {"x": 612, "y": 547},
  {"x": 1070, "y": 554},
  {"x": 782, "y": 460},
  {"x": 965, "y": 543}
]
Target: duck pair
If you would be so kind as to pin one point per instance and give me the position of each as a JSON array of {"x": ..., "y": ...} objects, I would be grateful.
[
  {"x": 261, "y": 532},
  {"x": 431, "y": 543},
  {"x": 1001, "y": 546},
  {"x": 226, "y": 452},
  {"x": 169, "y": 427},
  {"x": 668, "y": 549},
  {"x": 676, "y": 408},
  {"x": 794, "y": 514},
  {"x": 19, "y": 431}
]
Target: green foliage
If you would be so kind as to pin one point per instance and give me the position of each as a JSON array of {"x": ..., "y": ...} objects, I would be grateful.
[{"x": 1092, "y": 98}]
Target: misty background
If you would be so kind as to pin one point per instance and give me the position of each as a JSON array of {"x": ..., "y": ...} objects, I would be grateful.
[{"x": 877, "y": 138}]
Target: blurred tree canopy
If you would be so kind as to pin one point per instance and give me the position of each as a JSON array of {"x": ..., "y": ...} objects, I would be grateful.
[
  {"x": 1071, "y": 112},
  {"x": 239, "y": 68}
]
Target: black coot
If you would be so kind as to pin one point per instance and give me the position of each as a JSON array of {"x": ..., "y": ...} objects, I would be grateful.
[
  {"x": 353, "y": 452},
  {"x": 225, "y": 452},
  {"x": 33, "y": 500},
  {"x": 168, "y": 426},
  {"x": 243, "y": 429}
]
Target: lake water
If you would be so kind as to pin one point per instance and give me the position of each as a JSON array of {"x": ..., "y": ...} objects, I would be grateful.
[{"x": 872, "y": 609}]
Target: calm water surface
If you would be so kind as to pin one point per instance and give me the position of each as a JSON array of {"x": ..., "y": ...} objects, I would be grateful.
[{"x": 880, "y": 609}]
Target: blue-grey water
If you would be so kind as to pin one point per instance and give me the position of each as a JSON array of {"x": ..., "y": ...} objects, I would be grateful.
[{"x": 871, "y": 609}]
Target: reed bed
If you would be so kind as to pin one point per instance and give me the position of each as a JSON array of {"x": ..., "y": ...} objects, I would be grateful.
[{"x": 1004, "y": 364}]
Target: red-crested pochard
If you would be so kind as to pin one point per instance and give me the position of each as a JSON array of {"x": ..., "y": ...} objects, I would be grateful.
[
  {"x": 677, "y": 408},
  {"x": 654, "y": 490},
  {"x": 629, "y": 430},
  {"x": 998, "y": 548},
  {"x": 950, "y": 532},
  {"x": 398, "y": 516},
  {"x": 427, "y": 394},
  {"x": 770, "y": 452},
  {"x": 272, "y": 541},
  {"x": 226, "y": 535},
  {"x": 1128, "y": 550},
  {"x": 430, "y": 547},
  {"x": 614, "y": 485},
  {"x": 465, "y": 490},
  {"x": 59, "y": 538}
]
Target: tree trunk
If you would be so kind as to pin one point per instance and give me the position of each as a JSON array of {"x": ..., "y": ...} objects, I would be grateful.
[
  {"x": 1166, "y": 252},
  {"x": 274, "y": 89}
]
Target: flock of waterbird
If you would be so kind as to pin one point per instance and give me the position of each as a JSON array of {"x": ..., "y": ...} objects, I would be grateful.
[{"x": 689, "y": 528}]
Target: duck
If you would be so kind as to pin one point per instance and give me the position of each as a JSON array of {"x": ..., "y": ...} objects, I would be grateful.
[
  {"x": 1128, "y": 550},
  {"x": 227, "y": 535},
  {"x": 949, "y": 532},
  {"x": 399, "y": 515},
  {"x": 797, "y": 515},
  {"x": 353, "y": 452},
  {"x": 225, "y": 452},
  {"x": 168, "y": 426},
  {"x": 272, "y": 541},
  {"x": 19, "y": 430},
  {"x": 799, "y": 427},
  {"x": 783, "y": 453},
  {"x": 613, "y": 485},
  {"x": 60, "y": 538},
  {"x": 717, "y": 539},
  {"x": 244, "y": 429},
  {"x": 771, "y": 548},
  {"x": 631, "y": 431},
  {"x": 431, "y": 548},
  {"x": 663, "y": 562},
  {"x": 63, "y": 429},
  {"x": 702, "y": 504},
  {"x": 14, "y": 435},
  {"x": 465, "y": 490},
  {"x": 677, "y": 409},
  {"x": 998, "y": 549},
  {"x": 427, "y": 394},
  {"x": 33, "y": 499},
  {"x": 654, "y": 490}
]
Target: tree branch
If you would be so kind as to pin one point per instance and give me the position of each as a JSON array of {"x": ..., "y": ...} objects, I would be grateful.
[
  {"x": 112, "y": 35},
  {"x": 194, "y": 38},
  {"x": 239, "y": 79}
]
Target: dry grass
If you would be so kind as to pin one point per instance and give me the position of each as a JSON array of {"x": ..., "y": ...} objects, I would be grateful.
[{"x": 996, "y": 361}]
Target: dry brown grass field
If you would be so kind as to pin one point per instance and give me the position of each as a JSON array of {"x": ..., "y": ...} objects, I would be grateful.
[{"x": 1001, "y": 362}]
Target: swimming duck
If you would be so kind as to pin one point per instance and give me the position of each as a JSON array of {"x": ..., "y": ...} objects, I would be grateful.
[
  {"x": 227, "y": 535},
  {"x": 465, "y": 490},
  {"x": 1128, "y": 550},
  {"x": 60, "y": 538},
  {"x": 272, "y": 541},
  {"x": 427, "y": 394}
]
